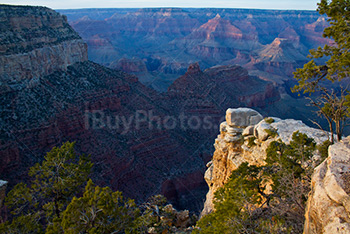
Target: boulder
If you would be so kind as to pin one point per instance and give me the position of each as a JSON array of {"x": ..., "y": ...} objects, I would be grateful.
[
  {"x": 242, "y": 117},
  {"x": 262, "y": 128},
  {"x": 234, "y": 131},
  {"x": 223, "y": 127},
  {"x": 230, "y": 139},
  {"x": 248, "y": 131},
  {"x": 208, "y": 175}
]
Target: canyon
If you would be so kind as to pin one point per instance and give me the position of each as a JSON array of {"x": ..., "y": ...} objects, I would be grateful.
[
  {"x": 159, "y": 44},
  {"x": 142, "y": 142},
  {"x": 145, "y": 142}
]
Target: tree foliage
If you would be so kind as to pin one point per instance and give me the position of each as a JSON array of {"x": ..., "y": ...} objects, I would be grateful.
[
  {"x": 55, "y": 181},
  {"x": 332, "y": 104},
  {"x": 55, "y": 202},
  {"x": 266, "y": 199},
  {"x": 99, "y": 210}
]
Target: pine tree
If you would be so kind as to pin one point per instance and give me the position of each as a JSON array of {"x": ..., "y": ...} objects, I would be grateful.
[
  {"x": 332, "y": 104},
  {"x": 55, "y": 181},
  {"x": 98, "y": 211}
]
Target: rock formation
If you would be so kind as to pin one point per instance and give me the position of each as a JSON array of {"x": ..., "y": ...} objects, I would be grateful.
[
  {"x": 328, "y": 206},
  {"x": 33, "y": 46},
  {"x": 244, "y": 137},
  {"x": 221, "y": 86},
  {"x": 213, "y": 36},
  {"x": 3, "y": 185}
]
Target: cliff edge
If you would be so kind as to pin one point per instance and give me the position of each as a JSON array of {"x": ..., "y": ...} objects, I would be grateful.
[{"x": 244, "y": 137}]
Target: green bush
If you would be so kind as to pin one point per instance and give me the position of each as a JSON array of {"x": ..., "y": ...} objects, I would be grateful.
[{"x": 269, "y": 120}]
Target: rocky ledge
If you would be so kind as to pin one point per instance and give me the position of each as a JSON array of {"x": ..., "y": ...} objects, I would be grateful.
[{"x": 244, "y": 137}]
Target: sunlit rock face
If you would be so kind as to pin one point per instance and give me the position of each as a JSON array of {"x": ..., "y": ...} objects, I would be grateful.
[{"x": 328, "y": 206}]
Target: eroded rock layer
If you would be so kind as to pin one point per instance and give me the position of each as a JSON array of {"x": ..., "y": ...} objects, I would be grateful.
[{"x": 36, "y": 41}]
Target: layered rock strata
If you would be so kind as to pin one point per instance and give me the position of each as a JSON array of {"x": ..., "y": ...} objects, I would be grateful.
[
  {"x": 36, "y": 41},
  {"x": 244, "y": 137}
]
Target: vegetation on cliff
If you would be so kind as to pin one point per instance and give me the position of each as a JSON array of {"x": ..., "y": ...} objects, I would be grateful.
[
  {"x": 55, "y": 202},
  {"x": 269, "y": 198}
]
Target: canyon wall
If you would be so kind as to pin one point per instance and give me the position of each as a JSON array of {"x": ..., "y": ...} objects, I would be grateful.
[
  {"x": 269, "y": 43},
  {"x": 36, "y": 41}
]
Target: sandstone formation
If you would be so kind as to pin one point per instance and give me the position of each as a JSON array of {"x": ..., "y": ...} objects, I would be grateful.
[
  {"x": 33, "y": 46},
  {"x": 222, "y": 87},
  {"x": 328, "y": 206},
  {"x": 244, "y": 137}
]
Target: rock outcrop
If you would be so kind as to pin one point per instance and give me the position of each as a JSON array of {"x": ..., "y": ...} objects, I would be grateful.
[
  {"x": 36, "y": 41},
  {"x": 244, "y": 137},
  {"x": 3, "y": 185},
  {"x": 221, "y": 86},
  {"x": 328, "y": 206}
]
